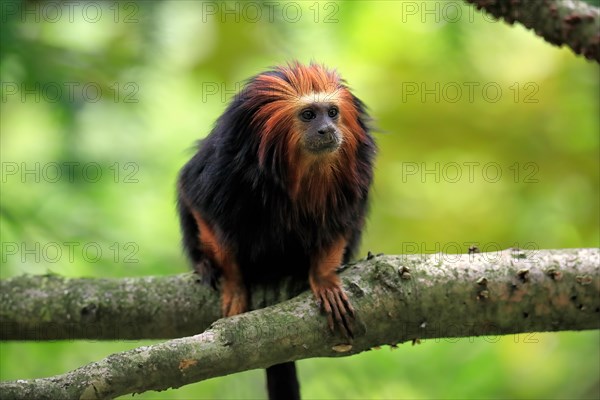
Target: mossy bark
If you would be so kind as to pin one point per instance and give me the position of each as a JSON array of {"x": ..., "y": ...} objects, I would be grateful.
[{"x": 397, "y": 298}]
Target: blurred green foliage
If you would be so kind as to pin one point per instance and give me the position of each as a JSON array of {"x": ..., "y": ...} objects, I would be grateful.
[{"x": 487, "y": 134}]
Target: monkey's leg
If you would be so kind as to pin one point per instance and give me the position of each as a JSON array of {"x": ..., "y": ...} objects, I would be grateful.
[
  {"x": 234, "y": 296},
  {"x": 327, "y": 288}
]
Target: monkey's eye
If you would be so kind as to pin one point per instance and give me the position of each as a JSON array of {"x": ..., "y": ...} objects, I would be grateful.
[
  {"x": 307, "y": 115},
  {"x": 333, "y": 112}
]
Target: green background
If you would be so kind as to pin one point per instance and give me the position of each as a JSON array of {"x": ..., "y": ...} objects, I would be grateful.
[{"x": 488, "y": 135}]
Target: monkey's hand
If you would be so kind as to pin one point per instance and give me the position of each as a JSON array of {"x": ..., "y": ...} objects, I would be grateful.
[{"x": 332, "y": 299}]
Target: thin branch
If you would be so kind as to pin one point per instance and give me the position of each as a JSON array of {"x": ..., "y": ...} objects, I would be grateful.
[
  {"x": 570, "y": 22},
  {"x": 398, "y": 298}
]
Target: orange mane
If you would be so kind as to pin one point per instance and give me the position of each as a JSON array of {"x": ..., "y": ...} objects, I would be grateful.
[{"x": 280, "y": 96}]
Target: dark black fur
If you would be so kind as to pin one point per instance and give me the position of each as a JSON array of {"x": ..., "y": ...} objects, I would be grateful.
[
  {"x": 269, "y": 234},
  {"x": 252, "y": 208}
]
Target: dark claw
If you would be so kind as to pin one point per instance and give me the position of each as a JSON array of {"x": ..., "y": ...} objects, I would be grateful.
[
  {"x": 347, "y": 303},
  {"x": 336, "y": 305},
  {"x": 324, "y": 304}
]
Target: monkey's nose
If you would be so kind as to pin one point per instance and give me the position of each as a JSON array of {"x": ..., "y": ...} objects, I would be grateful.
[
  {"x": 328, "y": 129},
  {"x": 323, "y": 140}
]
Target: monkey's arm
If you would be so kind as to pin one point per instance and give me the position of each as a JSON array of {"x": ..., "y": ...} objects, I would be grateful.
[{"x": 327, "y": 287}]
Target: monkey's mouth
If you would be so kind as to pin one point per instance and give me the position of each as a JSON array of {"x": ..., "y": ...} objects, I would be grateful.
[{"x": 322, "y": 143}]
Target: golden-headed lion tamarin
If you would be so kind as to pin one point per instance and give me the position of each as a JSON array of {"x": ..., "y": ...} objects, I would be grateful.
[{"x": 279, "y": 188}]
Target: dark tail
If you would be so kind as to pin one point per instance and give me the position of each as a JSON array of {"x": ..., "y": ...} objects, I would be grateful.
[{"x": 282, "y": 383}]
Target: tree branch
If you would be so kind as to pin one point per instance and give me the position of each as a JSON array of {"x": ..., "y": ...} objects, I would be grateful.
[
  {"x": 52, "y": 307},
  {"x": 571, "y": 22},
  {"x": 398, "y": 298}
]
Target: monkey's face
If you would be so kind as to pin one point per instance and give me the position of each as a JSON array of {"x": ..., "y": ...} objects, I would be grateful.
[{"x": 319, "y": 124}]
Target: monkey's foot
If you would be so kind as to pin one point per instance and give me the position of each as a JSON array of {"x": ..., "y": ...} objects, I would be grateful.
[
  {"x": 336, "y": 305},
  {"x": 233, "y": 302}
]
